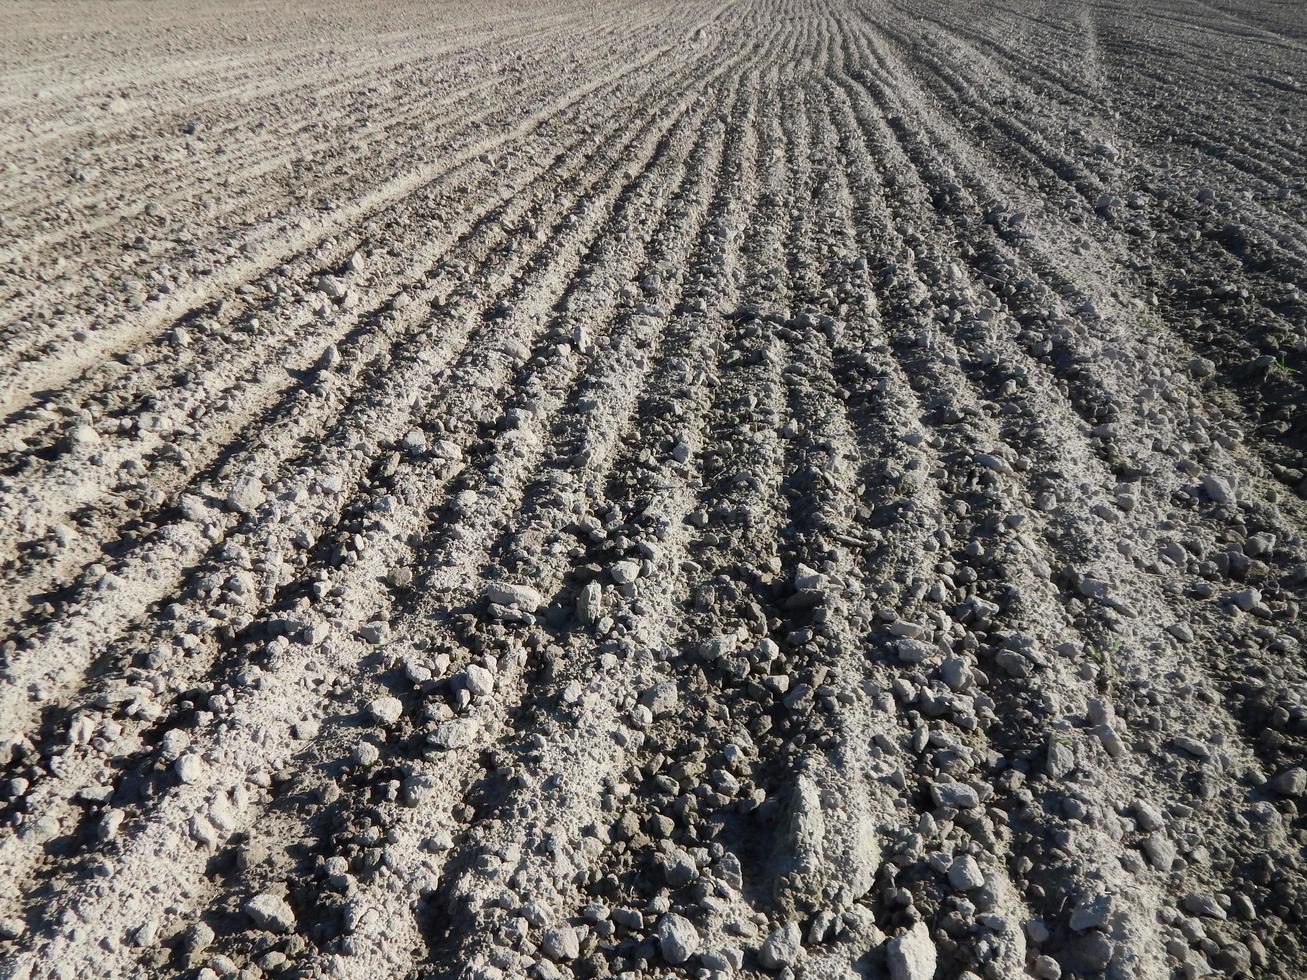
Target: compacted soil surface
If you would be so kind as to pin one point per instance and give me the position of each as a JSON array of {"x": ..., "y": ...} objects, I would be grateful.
[{"x": 575, "y": 489}]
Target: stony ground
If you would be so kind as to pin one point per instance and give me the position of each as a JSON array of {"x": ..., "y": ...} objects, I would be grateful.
[{"x": 804, "y": 488}]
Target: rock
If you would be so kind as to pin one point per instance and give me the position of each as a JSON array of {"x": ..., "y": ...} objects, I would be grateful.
[
  {"x": 109, "y": 824},
  {"x": 1219, "y": 489},
  {"x": 1093, "y": 912},
  {"x": 189, "y": 768},
  {"x": 1148, "y": 816},
  {"x": 456, "y": 733},
  {"x": 12, "y": 928},
  {"x": 246, "y": 495},
  {"x": 479, "y": 680},
  {"x": 1195, "y": 748},
  {"x": 521, "y": 597},
  {"x": 560, "y": 943},
  {"x": 1160, "y": 851},
  {"x": 660, "y": 699},
  {"x": 332, "y": 286},
  {"x": 915, "y": 651},
  {"x": 386, "y": 710},
  {"x": 1047, "y": 968},
  {"x": 82, "y": 437},
  {"x": 959, "y": 796},
  {"x": 678, "y": 939},
  {"x": 1291, "y": 782},
  {"x": 197, "y": 937},
  {"x": 1060, "y": 759},
  {"x": 589, "y": 602},
  {"x": 964, "y": 874},
  {"x": 911, "y": 954},
  {"x": 781, "y": 947},
  {"x": 625, "y": 572},
  {"x": 1199, "y": 903},
  {"x": 270, "y": 912},
  {"x": 679, "y": 868}
]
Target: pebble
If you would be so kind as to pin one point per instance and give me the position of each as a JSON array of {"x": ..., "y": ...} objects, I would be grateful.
[
  {"x": 625, "y": 572},
  {"x": 386, "y": 710},
  {"x": 911, "y": 955},
  {"x": 1093, "y": 912},
  {"x": 1291, "y": 782},
  {"x": 479, "y": 680},
  {"x": 781, "y": 948},
  {"x": 678, "y": 939},
  {"x": 964, "y": 874},
  {"x": 521, "y": 597},
  {"x": 270, "y": 912},
  {"x": 189, "y": 768},
  {"x": 560, "y": 943}
]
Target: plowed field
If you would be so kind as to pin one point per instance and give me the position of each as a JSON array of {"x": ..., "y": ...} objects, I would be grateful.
[{"x": 806, "y": 488}]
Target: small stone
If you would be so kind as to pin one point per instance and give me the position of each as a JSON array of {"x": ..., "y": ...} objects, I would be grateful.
[
  {"x": 960, "y": 796},
  {"x": 386, "y": 710},
  {"x": 1291, "y": 782},
  {"x": 189, "y": 768},
  {"x": 270, "y": 912},
  {"x": 479, "y": 680},
  {"x": 197, "y": 937},
  {"x": 1148, "y": 816},
  {"x": 625, "y": 572},
  {"x": 781, "y": 948},
  {"x": 1160, "y": 851},
  {"x": 660, "y": 699},
  {"x": 560, "y": 943},
  {"x": 679, "y": 868},
  {"x": 246, "y": 495},
  {"x": 12, "y": 928},
  {"x": 521, "y": 597},
  {"x": 1093, "y": 912},
  {"x": 911, "y": 955},
  {"x": 589, "y": 603},
  {"x": 1199, "y": 903},
  {"x": 965, "y": 875},
  {"x": 456, "y": 733},
  {"x": 1219, "y": 489},
  {"x": 678, "y": 939}
]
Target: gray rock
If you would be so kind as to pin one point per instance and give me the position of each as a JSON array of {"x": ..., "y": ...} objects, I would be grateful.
[
  {"x": 560, "y": 943},
  {"x": 1291, "y": 782},
  {"x": 479, "y": 680},
  {"x": 588, "y": 603},
  {"x": 1199, "y": 903},
  {"x": 964, "y": 874},
  {"x": 660, "y": 699},
  {"x": 12, "y": 928},
  {"x": 781, "y": 948},
  {"x": 1093, "y": 912},
  {"x": 911, "y": 955},
  {"x": 270, "y": 912},
  {"x": 385, "y": 710},
  {"x": 1160, "y": 851},
  {"x": 1148, "y": 816},
  {"x": 679, "y": 868},
  {"x": 189, "y": 768},
  {"x": 960, "y": 796},
  {"x": 625, "y": 572},
  {"x": 521, "y": 597},
  {"x": 456, "y": 733},
  {"x": 1220, "y": 489},
  {"x": 678, "y": 939}
]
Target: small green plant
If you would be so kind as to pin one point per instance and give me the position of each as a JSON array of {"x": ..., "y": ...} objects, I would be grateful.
[{"x": 1281, "y": 366}]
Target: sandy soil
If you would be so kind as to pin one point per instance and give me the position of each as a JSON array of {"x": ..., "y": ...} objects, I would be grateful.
[{"x": 801, "y": 488}]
